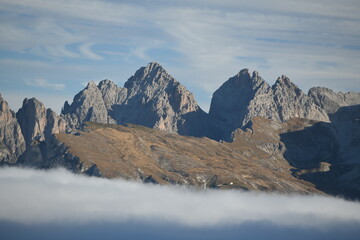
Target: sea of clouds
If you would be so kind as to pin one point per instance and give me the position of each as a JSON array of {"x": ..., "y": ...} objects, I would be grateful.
[{"x": 57, "y": 197}]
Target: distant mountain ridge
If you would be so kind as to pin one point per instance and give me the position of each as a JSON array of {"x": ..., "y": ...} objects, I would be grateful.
[
  {"x": 326, "y": 136},
  {"x": 151, "y": 97},
  {"x": 247, "y": 95}
]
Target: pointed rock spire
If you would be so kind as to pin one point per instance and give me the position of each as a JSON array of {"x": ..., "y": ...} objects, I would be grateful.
[
  {"x": 233, "y": 102},
  {"x": 37, "y": 122},
  {"x": 242, "y": 98},
  {"x": 153, "y": 76},
  {"x": 151, "y": 97},
  {"x": 12, "y": 143}
]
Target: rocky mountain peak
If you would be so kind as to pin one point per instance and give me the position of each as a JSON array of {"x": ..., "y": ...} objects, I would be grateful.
[
  {"x": 159, "y": 99},
  {"x": 151, "y": 97},
  {"x": 152, "y": 75},
  {"x": 106, "y": 83},
  {"x": 12, "y": 143},
  {"x": 245, "y": 73},
  {"x": 284, "y": 86},
  {"x": 87, "y": 105},
  {"x": 91, "y": 85},
  {"x": 37, "y": 122},
  {"x": 242, "y": 98},
  {"x": 331, "y": 101},
  {"x": 232, "y": 102},
  {"x": 285, "y": 81},
  {"x": 153, "y": 67}
]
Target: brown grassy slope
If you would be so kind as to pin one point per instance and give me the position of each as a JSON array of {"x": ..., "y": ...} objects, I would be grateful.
[{"x": 136, "y": 152}]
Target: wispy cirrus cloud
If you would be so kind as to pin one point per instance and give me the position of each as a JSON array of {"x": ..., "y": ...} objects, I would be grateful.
[
  {"x": 210, "y": 40},
  {"x": 85, "y": 50},
  {"x": 43, "y": 83}
]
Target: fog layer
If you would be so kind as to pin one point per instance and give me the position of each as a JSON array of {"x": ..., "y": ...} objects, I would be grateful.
[{"x": 34, "y": 196}]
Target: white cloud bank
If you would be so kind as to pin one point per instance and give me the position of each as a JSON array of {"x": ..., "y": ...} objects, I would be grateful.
[{"x": 33, "y": 196}]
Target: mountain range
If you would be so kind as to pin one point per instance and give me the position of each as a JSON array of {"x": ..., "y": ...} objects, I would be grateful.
[{"x": 255, "y": 136}]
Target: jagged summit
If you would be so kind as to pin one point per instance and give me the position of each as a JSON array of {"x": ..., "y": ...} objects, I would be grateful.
[
  {"x": 244, "y": 97},
  {"x": 151, "y": 97},
  {"x": 153, "y": 74},
  {"x": 231, "y": 101},
  {"x": 38, "y": 122},
  {"x": 331, "y": 101},
  {"x": 284, "y": 80},
  {"x": 245, "y": 110},
  {"x": 12, "y": 143}
]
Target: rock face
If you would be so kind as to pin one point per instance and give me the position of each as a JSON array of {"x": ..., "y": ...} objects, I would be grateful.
[
  {"x": 12, "y": 143},
  {"x": 246, "y": 96},
  {"x": 292, "y": 102},
  {"x": 151, "y": 98},
  {"x": 333, "y": 147},
  {"x": 37, "y": 122},
  {"x": 88, "y": 105},
  {"x": 331, "y": 101},
  {"x": 279, "y": 138}
]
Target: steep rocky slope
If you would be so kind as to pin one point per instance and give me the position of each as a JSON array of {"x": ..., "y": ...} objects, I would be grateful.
[
  {"x": 247, "y": 95},
  {"x": 151, "y": 97},
  {"x": 12, "y": 143},
  {"x": 331, "y": 101},
  {"x": 278, "y": 137},
  {"x": 38, "y": 122},
  {"x": 38, "y": 126}
]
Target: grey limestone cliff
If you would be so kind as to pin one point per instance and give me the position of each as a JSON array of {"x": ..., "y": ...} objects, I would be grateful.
[
  {"x": 151, "y": 97},
  {"x": 12, "y": 143},
  {"x": 292, "y": 102},
  {"x": 37, "y": 122},
  {"x": 247, "y": 95},
  {"x": 88, "y": 105},
  {"x": 157, "y": 100},
  {"x": 331, "y": 101}
]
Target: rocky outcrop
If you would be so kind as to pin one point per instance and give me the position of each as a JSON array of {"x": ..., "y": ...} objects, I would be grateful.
[
  {"x": 155, "y": 99},
  {"x": 277, "y": 135},
  {"x": 241, "y": 98},
  {"x": 333, "y": 149},
  {"x": 331, "y": 101},
  {"x": 12, "y": 143},
  {"x": 292, "y": 102},
  {"x": 88, "y": 105},
  {"x": 246, "y": 96},
  {"x": 38, "y": 126},
  {"x": 151, "y": 98},
  {"x": 37, "y": 122}
]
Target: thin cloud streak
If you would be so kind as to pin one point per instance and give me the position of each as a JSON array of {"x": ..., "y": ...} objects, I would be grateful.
[
  {"x": 34, "y": 196},
  {"x": 39, "y": 82},
  {"x": 211, "y": 40},
  {"x": 85, "y": 50}
]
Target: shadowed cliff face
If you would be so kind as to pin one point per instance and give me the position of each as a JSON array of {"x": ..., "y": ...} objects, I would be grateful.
[{"x": 328, "y": 154}]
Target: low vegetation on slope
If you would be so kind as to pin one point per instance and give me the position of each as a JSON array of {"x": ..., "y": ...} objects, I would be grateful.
[{"x": 139, "y": 153}]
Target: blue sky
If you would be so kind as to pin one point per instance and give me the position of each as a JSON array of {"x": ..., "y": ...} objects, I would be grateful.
[{"x": 50, "y": 49}]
